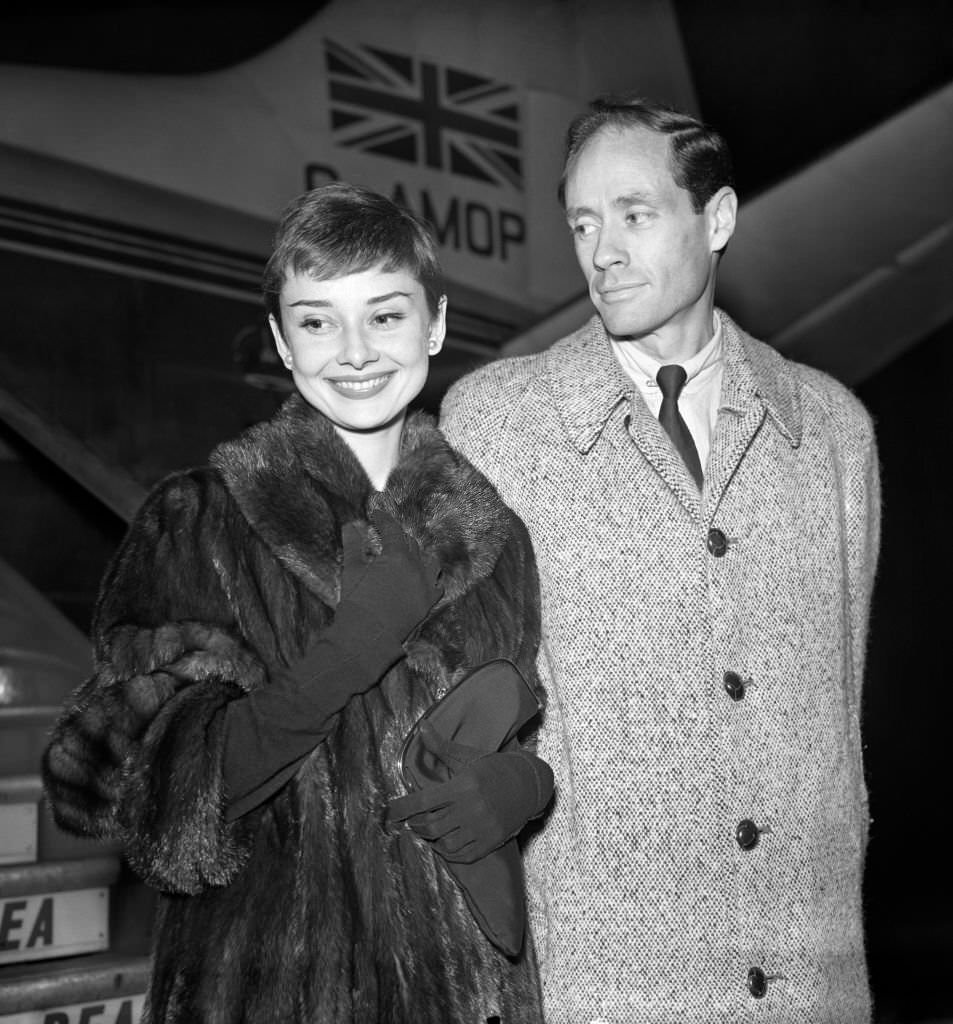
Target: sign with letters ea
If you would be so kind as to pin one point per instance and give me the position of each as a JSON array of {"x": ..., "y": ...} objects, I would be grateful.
[
  {"x": 122, "y": 1010},
  {"x": 42, "y": 925}
]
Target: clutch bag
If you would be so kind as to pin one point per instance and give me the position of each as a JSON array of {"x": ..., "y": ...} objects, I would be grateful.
[{"x": 486, "y": 710}]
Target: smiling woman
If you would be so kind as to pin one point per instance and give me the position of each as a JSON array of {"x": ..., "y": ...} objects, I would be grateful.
[
  {"x": 356, "y": 309},
  {"x": 358, "y": 348},
  {"x": 268, "y": 636}
]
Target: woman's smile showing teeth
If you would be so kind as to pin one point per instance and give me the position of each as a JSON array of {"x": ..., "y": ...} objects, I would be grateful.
[{"x": 360, "y": 387}]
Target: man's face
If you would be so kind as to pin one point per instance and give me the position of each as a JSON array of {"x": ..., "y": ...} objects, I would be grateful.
[{"x": 646, "y": 255}]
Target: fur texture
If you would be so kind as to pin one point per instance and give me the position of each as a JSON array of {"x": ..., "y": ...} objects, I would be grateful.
[{"x": 310, "y": 908}]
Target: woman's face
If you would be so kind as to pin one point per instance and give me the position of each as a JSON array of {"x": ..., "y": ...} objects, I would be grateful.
[{"x": 358, "y": 346}]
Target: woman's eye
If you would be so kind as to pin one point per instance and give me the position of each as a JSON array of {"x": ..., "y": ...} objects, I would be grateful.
[
  {"x": 313, "y": 323},
  {"x": 388, "y": 319}
]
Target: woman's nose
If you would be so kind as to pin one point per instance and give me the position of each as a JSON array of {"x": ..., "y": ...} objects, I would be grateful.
[{"x": 357, "y": 350}]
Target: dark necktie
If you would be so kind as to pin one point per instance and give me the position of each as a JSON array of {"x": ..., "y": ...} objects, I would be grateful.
[{"x": 671, "y": 379}]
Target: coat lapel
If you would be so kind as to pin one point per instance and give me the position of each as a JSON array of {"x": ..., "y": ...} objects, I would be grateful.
[
  {"x": 654, "y": 443},
  {"x": 588, "y": 384},
  {"x": 757, "y": 383},
  {"x": 446, "y": 505},
  {"x": 297, "y": 483},
  {"x": 740, "y": 415}
]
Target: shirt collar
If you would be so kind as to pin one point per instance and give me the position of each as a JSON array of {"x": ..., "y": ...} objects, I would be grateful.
[
  {"x": 588, "y": 383},
  {"x": 644, "y": 367}
]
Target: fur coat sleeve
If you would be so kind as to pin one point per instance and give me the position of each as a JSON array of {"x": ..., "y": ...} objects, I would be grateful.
[{"x": 137, "y": 754}]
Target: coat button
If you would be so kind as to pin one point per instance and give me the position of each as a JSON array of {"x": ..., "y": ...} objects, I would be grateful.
[
  {"x": 757, "y": 982},
  {"x": 734, "y": 686},
  {"x": 717, "y": 542},
  {"x": 747, "y": 834}
]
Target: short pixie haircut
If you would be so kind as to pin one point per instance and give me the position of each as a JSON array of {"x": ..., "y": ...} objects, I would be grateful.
[
  {"x": 701, "y": 161},
  {"x": 338, "y": 229}
]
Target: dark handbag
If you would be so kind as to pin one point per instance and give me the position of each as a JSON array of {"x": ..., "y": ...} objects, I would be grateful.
[{"x": 485, "y": 710}]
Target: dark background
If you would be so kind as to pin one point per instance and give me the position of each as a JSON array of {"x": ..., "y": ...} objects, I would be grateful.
[{"x": 785, "y": 82}]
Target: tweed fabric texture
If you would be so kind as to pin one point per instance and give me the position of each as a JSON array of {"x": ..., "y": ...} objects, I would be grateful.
[{"x": 644, "y": 908}]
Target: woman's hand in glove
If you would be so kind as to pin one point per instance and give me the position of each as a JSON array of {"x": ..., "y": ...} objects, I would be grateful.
[
  {"x": 389, "y": 595},
  {"x": 383, "y": 600},
  {"x": 487, "y": 800}
]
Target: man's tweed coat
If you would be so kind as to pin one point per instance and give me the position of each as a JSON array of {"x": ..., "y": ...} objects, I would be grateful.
[
  {"x": 311, "y": 909},
  {"x": 645, "y": 907}
]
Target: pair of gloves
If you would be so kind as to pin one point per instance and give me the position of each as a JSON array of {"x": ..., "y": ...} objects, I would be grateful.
[
  {"x": 487, "y": 800},
  {"x": 384, "y": 599}
]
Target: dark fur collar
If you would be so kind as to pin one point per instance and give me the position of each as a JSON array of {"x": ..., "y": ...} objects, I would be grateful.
[{"x": 297, "y": 483}]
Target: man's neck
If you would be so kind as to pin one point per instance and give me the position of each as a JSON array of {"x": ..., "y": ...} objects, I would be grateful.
[{"x": 678, "y": 340}]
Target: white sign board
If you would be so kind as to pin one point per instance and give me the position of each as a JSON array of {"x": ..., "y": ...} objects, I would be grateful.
[
  {"x": 44, "y": 925},
  {"x": 18, "y": 825}
]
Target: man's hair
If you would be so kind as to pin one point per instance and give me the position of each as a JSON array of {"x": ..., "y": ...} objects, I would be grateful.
[
  {"x": 701, "y": 162},
  {"x": 338, "y": 229}
]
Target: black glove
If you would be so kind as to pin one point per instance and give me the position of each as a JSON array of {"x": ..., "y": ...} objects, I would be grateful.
[
  {"x": 487, "y": 801},
  {"x": 383, "y": 600}
]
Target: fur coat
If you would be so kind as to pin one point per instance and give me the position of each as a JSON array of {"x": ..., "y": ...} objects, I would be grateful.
[{"x": 311, "y": 908}]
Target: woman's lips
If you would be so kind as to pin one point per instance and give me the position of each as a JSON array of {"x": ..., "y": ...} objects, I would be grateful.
[{"x": 360, "y": 387}]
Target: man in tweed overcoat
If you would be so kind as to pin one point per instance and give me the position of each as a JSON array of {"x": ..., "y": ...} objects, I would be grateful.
[{"x": 703, "y": 642}]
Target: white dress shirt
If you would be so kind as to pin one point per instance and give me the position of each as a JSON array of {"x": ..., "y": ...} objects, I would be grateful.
[{"x": 699, "y": 400}]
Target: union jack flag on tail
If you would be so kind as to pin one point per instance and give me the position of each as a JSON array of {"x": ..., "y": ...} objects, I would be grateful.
[{"x": 414, "y": 110}]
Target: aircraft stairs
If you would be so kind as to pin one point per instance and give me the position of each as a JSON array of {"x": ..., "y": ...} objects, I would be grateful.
[{"x": 74, "y": 921}]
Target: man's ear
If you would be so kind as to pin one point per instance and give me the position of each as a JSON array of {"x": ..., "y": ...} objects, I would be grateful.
[{"x": 721, "y": 211}]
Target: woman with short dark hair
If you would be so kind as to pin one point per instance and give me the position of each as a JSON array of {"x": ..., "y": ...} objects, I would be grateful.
[{"x": 277, "y": 643}]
